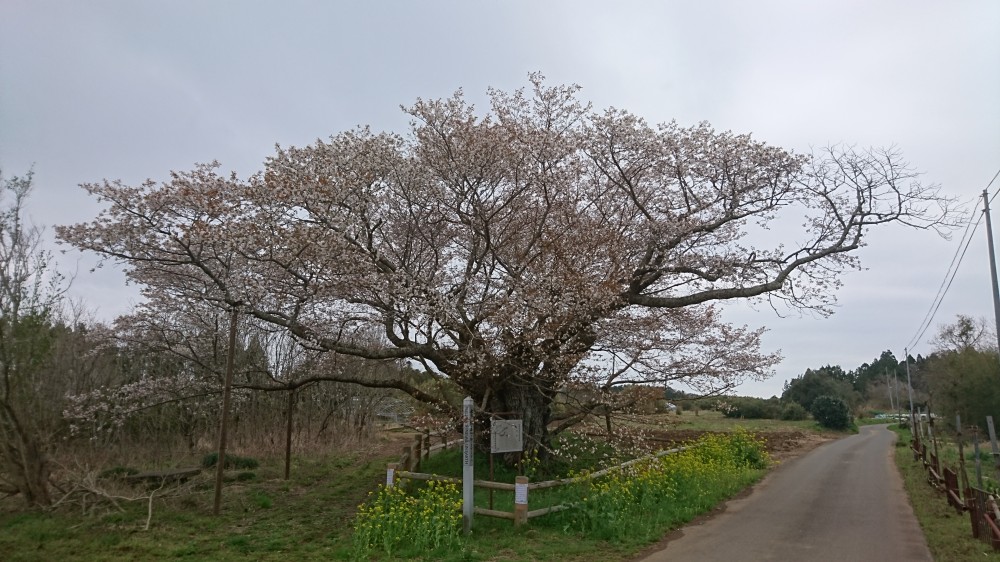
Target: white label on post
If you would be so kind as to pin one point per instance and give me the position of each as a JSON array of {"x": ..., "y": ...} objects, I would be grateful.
[
  {"x": 390, "y": 475},
  {"x": 467, "y": 434},
  {"x": 467, "y": 469},
  {"x": 521, "y": 494}
]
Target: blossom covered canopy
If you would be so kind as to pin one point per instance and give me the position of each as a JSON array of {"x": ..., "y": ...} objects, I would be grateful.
[{"x": 507, "y": 249}]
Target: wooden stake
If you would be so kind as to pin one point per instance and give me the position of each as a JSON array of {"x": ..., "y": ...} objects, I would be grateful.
[{"x": 223, "y": 424}]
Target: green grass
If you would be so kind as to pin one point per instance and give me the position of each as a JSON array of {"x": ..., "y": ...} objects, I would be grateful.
[
  {"x": 306, "y": 518},
  {"x": 266, "y": 519},
  {"x": 710, "y": 420},
  {"x": 949, "y": 535}
]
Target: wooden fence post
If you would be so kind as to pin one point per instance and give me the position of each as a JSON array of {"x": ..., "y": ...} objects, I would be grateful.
[
  {"x": 411, "y": 463},
  {"x": 993, "y": 444},
  {"x": 520, "y": 500},
  {"x": 390, "y": 474}
]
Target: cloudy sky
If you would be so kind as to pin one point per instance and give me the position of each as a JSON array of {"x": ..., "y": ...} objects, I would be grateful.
[{"x": 131, "y": 90}]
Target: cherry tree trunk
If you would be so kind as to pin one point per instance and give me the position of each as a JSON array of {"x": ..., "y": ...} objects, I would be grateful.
[{"x": 530, "y": 403}]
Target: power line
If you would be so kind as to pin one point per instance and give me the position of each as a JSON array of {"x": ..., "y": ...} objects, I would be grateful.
[
  {"x": 944, "y": 282},
  {"x": 952, "y": 270},
  {"x": 991, "y": 183},
  {"x": 953, "y": 274}
]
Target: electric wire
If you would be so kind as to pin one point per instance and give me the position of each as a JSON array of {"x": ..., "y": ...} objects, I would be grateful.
[
  {"x": 928, "y": 318},
  {"x": 991, "y": 183},
  {"x": 937, "y": 305},
  {"x": 952, "y": 270}
]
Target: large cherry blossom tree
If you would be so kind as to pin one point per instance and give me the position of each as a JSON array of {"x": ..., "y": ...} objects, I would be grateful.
[{"x": 515, "y": 251}]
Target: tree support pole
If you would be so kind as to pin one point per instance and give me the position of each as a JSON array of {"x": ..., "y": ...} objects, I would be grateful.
[
  {"x": 288, "y": 433},
  {"x": 223, "y": 426}
]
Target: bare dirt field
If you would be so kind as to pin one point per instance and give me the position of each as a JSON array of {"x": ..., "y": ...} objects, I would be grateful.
[{"x": 781, "y": 444}]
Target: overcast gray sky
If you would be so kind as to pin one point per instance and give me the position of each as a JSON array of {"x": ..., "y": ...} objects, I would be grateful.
[{"x": 131, "y": 90}]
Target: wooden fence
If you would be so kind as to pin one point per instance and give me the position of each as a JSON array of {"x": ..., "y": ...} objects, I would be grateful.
[
  {"x": 409, "y": 464},
  {"x": 954, "y": 483},
  {"x": 420, "y": 448}
]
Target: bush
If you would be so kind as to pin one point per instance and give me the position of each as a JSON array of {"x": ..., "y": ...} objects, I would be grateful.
[
  {"x": 751, "y": 408},
  {"x": 831, "y": 412},
  {"x": 706, "y": 404},
  {"x": 794, "y": 411}
]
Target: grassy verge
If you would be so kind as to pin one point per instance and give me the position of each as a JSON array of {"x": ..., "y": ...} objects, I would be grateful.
[
  {"x": 949, "y": 535},
  {"x": 611, "y": 517},
  {"x": 309, "y": 517}
]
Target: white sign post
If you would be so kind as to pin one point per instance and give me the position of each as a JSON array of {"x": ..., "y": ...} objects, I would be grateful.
[{"x": 468, "y": 443}]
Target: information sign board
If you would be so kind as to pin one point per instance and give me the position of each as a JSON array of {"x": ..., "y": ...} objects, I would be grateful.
[{"x": 506, "y": 436}]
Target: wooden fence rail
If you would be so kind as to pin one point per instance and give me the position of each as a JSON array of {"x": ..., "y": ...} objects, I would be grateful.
[
  {"x": 984, "y": 514},
  {"x": 407, "y": 469}
]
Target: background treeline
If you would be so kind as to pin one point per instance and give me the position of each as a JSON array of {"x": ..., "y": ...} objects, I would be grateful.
[{"x": 961, "y": 376}]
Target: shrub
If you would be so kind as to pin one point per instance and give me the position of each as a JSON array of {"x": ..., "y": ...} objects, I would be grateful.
[
  {"x": 793, "y": 411},
  {"x": 831, "y": 412},
  {"x": 751, "y": 408},
  {"x": 245, "y": 476}
]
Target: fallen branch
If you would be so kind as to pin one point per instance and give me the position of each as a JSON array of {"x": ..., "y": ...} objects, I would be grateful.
[
  {"x": 149, "y": 512},
  {"x": 87, "y": 485}
]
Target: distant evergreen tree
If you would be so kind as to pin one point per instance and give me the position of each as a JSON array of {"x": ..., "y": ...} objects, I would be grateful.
[{"x": 830, "y": 380}]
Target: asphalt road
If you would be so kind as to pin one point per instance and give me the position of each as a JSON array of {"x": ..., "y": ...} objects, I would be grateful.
[{"x": 842, "y": 502}]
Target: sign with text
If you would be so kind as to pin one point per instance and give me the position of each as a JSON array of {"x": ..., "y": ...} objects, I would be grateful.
[
  {"x": 506, "y": 436},
  {"x": 468, "y": 444},
  {"x": 521, "y": 494}
]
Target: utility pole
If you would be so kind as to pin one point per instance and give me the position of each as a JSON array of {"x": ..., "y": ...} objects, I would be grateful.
[
  {"x": 909, "y": 385},
  {"x": 899, "y": 407},
  {"x": 993, "y": 267},
  {"x": 888, "y": 385}
]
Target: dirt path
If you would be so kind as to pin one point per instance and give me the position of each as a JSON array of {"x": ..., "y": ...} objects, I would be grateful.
[{"x": 842, "y": 501}]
